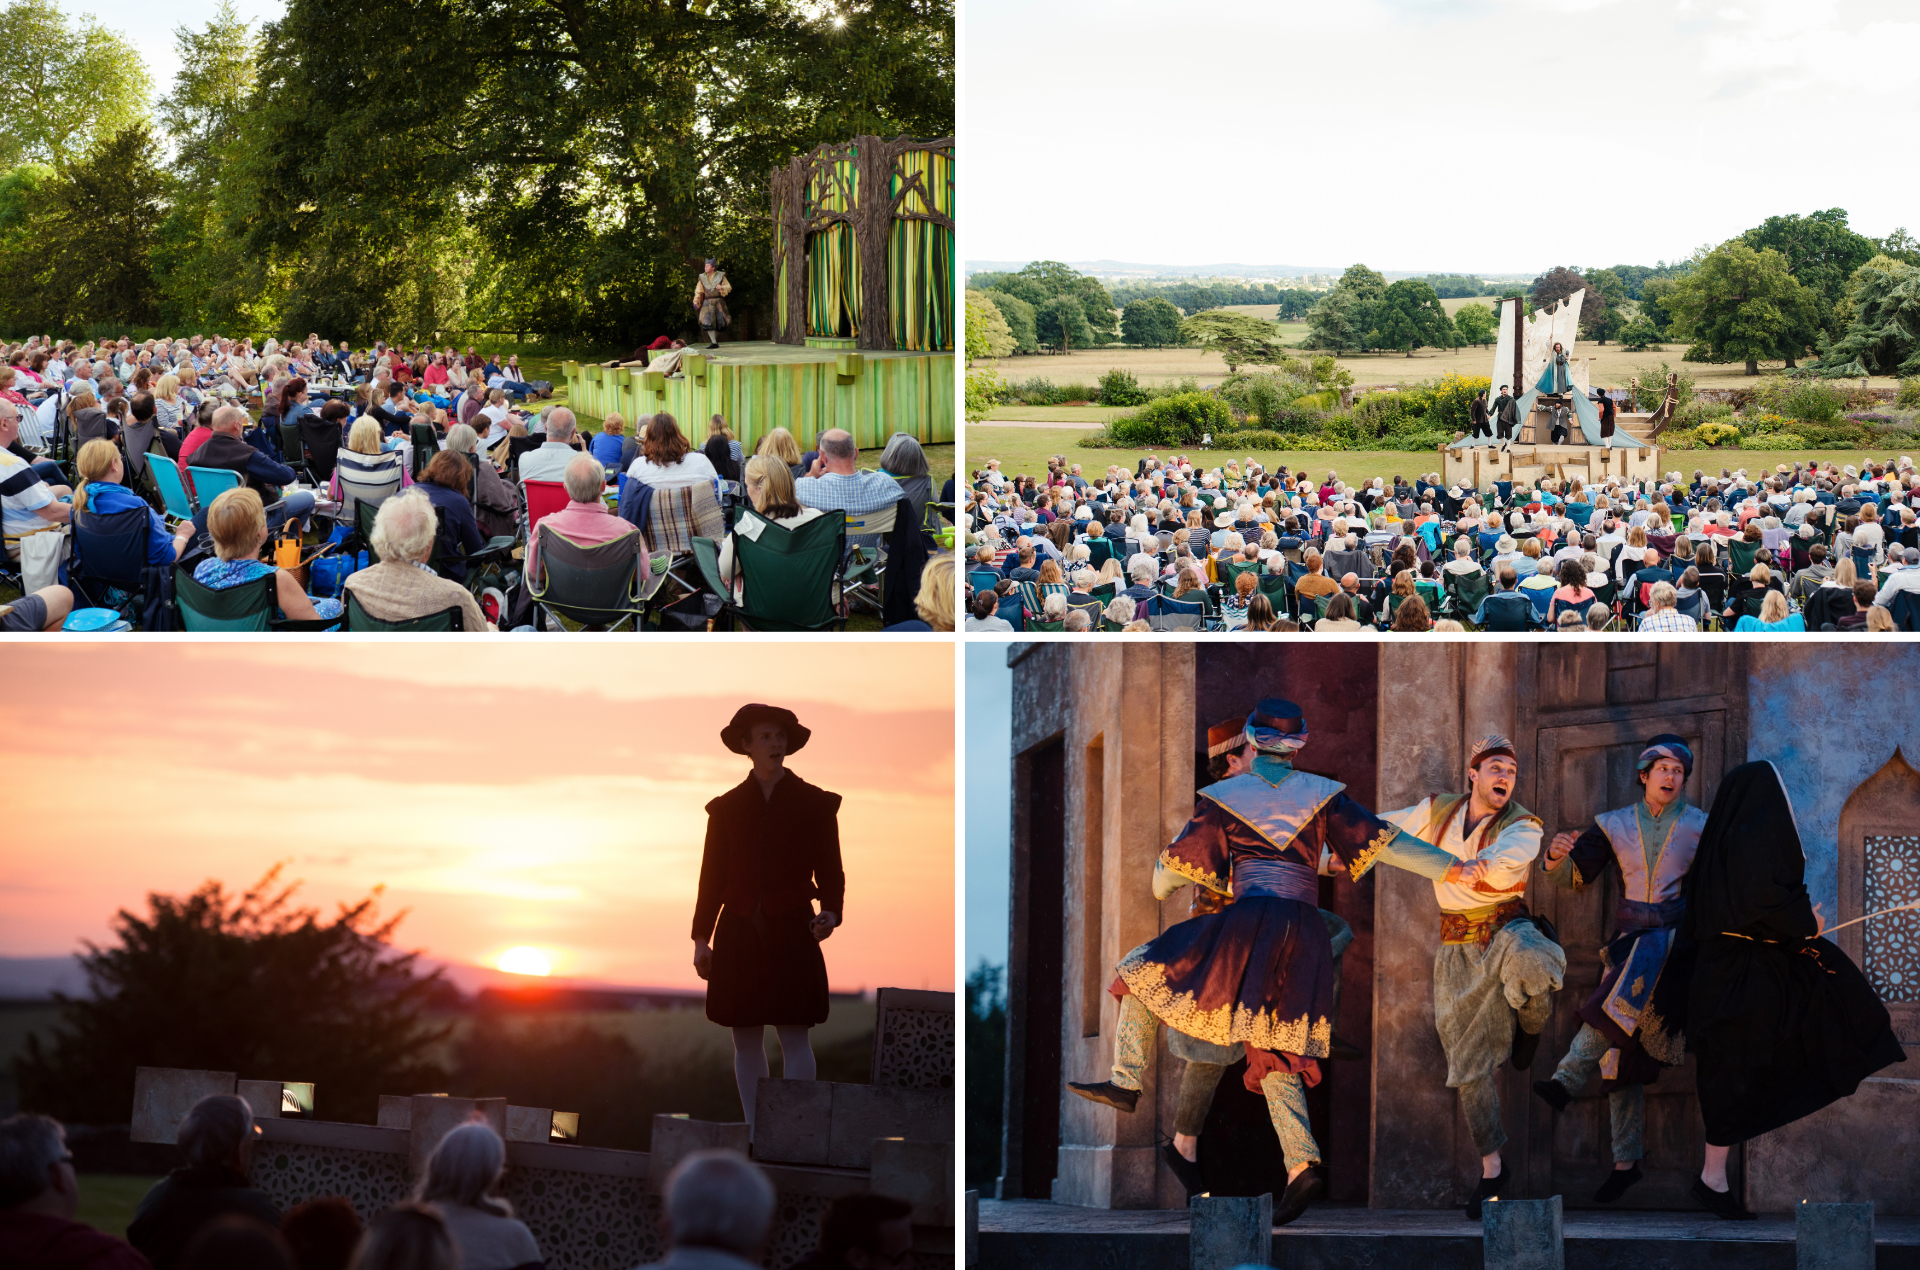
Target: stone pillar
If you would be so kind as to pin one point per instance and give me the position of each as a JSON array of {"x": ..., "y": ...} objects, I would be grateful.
[
  {"x": 973, "y": 1228},
  {"x": 1833, "y": 1236},
  {"x": 1229, "y": 1232},
  {"x": 1523, "y": 1234},
  {"x": 1421, "y": 752}
]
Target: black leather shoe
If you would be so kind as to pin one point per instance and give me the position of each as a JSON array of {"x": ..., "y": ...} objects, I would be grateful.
[
  {"x": 1553, "y": 1093},
  {"x": 1525, "y": 1046},
  {"x": 1107, "y": 1092},
  {"x": 1345, "y": 1051},
  {"x": 1721, "y": 1204},
  {"x": 1489, "y": 1188},
  {"x": 1616, "y": 1184},
  {"x": 1300, "y": 1194},
  {"x": 1188, "y": 1171}
]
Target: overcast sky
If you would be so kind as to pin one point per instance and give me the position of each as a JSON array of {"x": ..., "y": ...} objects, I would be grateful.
[{"x": 1281, "y": 132}]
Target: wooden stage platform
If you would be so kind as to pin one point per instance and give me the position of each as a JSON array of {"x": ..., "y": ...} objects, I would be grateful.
[
  {"x": 1037, "y": 1235},
  {"x": 759, "y": 385}
]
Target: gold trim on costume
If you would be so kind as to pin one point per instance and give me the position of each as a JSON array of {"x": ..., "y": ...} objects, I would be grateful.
[
  {"x": 1227, "y": 1025},
  {"x": 1479, "y": 925},
  {"x": 1371, "y": 852},
  {"x": 1194, "y": 873}
]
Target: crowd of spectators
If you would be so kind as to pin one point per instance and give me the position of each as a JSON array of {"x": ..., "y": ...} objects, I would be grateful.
[
  {"x": 717, "y": 1212},
  {"x": 1172, "y": 546},
  {"x": 360, "y": 418}
]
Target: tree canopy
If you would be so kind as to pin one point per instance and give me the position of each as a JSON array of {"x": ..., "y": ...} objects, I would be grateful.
[
  {"x": 1821, "y": 252},
  {"x": 1239, "y": 337},
  {"x": 69, "y": 89},
  {"x": 988, "y": 334},
  {"x": 1150, "y": 322},
  {"x": 1743, "y": 305},
  {"x": 1409, "y": 316},
  {"x": 1882, "y": 304},
  {"x": 1043, "y": 281},
  {"x": 1476, "y": 324},
  {"x": 250, "y": 984}
]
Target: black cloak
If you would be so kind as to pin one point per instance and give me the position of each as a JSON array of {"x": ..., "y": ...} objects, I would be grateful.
[{"x": 1781, "y": 1020}]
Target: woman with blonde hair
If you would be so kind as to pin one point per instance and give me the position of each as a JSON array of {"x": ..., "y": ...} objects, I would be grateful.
[
  {"x": 1773, "y": 614},
  {"x": 780, "y": 443},
  {"x": 166, "y": 401},
  {"x": 238, "y": 523},
  {"x": 770, "y": 490},
  {"x": 366, "y": 464},
  {"x": 935, "y": 602},
  {"x": 611, "y": 445},
  {"x": 102, "y": 493}
]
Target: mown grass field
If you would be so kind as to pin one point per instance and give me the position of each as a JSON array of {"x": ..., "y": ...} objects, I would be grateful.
[
  {"x": 1612, "y": 365},
  {"x": 1027, "y": 450}
]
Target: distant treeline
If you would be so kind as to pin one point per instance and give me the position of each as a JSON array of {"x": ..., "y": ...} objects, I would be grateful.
[{"x": 1194, "y": 297}]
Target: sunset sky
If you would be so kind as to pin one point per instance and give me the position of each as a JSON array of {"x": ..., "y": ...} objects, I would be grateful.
[{"x": 551, "y": 797}]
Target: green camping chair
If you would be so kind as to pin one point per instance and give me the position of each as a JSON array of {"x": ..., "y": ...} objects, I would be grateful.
[
  {"x": 247, "y": 607},
  {"x": 594, "y": 585},
  {"x": 359, "y": 620},
  {"x": 788, "y": 576}
]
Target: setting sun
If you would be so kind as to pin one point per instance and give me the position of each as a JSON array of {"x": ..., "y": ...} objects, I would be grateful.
[{"x": 525, "y": 961}]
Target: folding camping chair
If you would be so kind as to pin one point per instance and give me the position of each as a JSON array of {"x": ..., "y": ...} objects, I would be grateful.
[
  {"x": 789, "y": 576},
  {"x": 594, "y": 585}
]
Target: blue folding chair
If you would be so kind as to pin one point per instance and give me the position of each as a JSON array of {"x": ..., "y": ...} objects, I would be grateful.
[
  {"x": 108, "y": 551},
  {"x": 210, "y": 483},
  {"x": 1011, "y": 610},
  {"x": 1540, "y": 597},
  {"x": 166, "y": 474},
  {"x": 983, "y": 579}
]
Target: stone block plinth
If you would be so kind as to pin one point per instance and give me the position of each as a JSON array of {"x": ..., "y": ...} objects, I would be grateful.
[
  {"x": 432, "y": 1116},
  {"x": 920, "y": 1173},
  {"x": 1523, "y": 1234},
  {"x": 1833, "y": 1236},
  {"x": 821, "y": 1122},
  {"x": 1231, "y": 1231},
  {"x": 163, "y": 1095},
  {"x": 677, "y": 1137}
]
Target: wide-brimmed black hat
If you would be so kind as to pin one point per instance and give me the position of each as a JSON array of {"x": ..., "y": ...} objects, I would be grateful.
[{"x": 736, "y": 734}]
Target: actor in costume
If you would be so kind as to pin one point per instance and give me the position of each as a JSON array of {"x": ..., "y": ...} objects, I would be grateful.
[
  {"x": 1631, "y": 1026},
  {"x": 1780, "y": 1020},
  {"x": 1506, "y": 411},
  {"x": 1482, "y": 421},
  {"x": 1498, "y": 966},
  {"x": 1203, "y": 1062},
  {"x": 710, "y": 294},
  {"x": 1555, "y": 380},
  {"x": 1259, "y": 973},
  {"x": 773, "y": 847}
]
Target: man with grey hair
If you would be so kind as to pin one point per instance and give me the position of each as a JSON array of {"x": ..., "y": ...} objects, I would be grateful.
[
  {"x": 585, "y": 519},
  {"x": 1903, "y": 574},
  {"x": 402, "y": 587},
  {"x": 719, "y": 1211},
  {"x": 549, "y": 462},
  {"x": 216, "y": 1137},
  {"x": 39, "y": 1196},
  {"x": 835, "y": 483}
]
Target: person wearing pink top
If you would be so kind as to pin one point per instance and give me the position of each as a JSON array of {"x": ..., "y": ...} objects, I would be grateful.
[{"x": 585, "y": 519}]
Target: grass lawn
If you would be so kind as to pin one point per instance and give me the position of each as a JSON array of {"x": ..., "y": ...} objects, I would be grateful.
[
  {"x": 108, "y": 1200},
  {"x": 1026, "y": 450},
  {"x": 1057, "y": 414},
  {"x": 1612, "y": 365}
]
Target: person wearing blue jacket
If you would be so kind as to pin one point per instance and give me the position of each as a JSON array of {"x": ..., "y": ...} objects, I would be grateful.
[{"x": 102, "y": 493}]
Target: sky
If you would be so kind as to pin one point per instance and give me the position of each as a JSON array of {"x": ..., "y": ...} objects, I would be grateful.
[
  {"x": 553, "y": 801},
  {"x": 989, "y": 806},
  {"x": 151, "y": 30},
  {"x": 1453, "y": 135}
]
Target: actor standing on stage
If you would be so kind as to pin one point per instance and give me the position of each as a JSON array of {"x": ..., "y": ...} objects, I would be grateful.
[
  {"x": 710, "y": 294},
  {"x": 773, "y": 847},
  {"x": 1477, "y": 414},
  {"x": 1631, "y": 1026},
  {"x": 1498, "y": 966},
  {"x": 1259, "y": 972},
  {"x": 1203, "y": 1063},
  {"x": 1506, "y": 414},
  {"x": 1780, "y": 1020}
]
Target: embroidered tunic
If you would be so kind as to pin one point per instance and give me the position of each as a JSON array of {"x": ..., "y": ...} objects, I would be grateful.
[
  {"x": 1641, "y": 997},
  {"x": 709, "y": 296},
  {"x": 1260, "y": 971}
]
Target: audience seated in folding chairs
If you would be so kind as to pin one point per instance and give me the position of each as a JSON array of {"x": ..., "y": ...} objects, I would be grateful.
[
  {"x": 770, "y": 490},
  {"x": 984, "y": 615},
  {"x": 367, "y": 469},
  {"x": 1774, "y": 616},
  {"x": 494, "y": 503},
  {"x": 779, "y": 443},
  {"x": 403, "y": 587},
  {"x": 667, "y": 460},
  {"x": 237, "y": 522},
  {"x": 445, "y": 482},
  {"x": 834, "y": 482},
  {"x": 722, "y": 450},
  {"x": 615, "y": 450}
]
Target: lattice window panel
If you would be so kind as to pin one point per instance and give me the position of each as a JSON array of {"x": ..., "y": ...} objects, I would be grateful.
[
  {"x": 1893, "y": 942},
  {"x": 292, "y": 1173},
  {"x": 915, "y": 1049}
]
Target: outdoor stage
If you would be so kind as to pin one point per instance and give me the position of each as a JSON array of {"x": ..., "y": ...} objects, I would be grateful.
[
  {"x": 1036, "y": 1234},
  {"x": 1532, "y": 461},
  {"x": 760, "y": 385}
]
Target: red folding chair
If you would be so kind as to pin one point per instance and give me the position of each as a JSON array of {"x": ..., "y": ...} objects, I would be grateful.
[{"x": 543, "y": 498}]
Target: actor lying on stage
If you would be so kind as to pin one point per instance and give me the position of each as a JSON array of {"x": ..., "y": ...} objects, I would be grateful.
[
  {"x": 773, "y": 847},
  {"x": 1203, "y": 1062},
  {"x": 1780, "y": 1020},
  {"x": 1260, "y": 972},
  {"x": 1631, "y": 1026},
  {"x": 1497, "y": 965}
]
